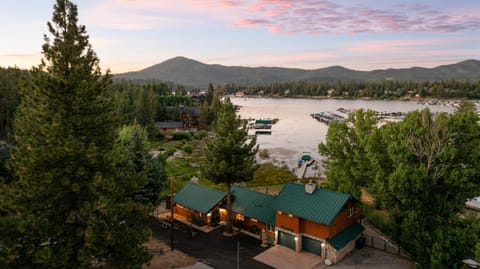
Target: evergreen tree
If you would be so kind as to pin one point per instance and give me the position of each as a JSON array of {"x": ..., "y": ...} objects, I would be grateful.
[
  {"x": 66, "y": 206},
  {"x": 132, "y": 159},
  {"x": 229, "y": 157}
]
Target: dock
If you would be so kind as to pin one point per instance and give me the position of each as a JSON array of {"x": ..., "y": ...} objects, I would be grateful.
[
  {"x": 327, "y": 117},
  {"x": 303, "y": 168}
]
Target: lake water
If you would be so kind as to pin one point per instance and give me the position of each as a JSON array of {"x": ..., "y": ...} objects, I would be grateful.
[{"x": 297, "y": 132}]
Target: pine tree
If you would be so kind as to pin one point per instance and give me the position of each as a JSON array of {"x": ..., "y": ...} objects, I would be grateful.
[
  {"x": 229, "y": 157},
  {"x": 66, "y": 206}
]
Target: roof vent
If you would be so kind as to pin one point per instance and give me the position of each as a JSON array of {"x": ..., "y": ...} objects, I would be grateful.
[{"x": 310, "y": 187}]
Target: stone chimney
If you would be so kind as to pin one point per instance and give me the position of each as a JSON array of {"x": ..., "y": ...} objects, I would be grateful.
[{"x": 310, "y": 187}]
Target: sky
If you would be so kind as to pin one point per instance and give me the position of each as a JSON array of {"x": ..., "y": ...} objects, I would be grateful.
[{"x": 129, "y": 35}]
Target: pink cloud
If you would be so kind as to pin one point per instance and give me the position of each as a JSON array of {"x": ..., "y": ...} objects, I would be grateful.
[{"x": 317, "y": 17}]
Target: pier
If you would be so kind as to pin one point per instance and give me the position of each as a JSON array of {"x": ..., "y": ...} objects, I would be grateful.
[{"x": 327, "y": 117}]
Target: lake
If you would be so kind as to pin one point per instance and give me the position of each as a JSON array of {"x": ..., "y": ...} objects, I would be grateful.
[{"x": 297, "y": 132}]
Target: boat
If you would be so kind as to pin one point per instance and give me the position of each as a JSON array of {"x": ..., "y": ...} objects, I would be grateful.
[{"x": 304, "y": 157}]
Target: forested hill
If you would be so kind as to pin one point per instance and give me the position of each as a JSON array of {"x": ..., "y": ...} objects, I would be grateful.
[{"x": 188, "y": 72}]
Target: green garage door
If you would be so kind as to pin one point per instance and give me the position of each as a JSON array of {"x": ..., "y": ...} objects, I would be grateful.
[
  {"x": 311, "y": 245},
  {"x": 286, "y": 239}
]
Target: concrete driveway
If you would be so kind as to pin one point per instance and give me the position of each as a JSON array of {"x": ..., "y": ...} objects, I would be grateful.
[{"x": 281, "y": 257}]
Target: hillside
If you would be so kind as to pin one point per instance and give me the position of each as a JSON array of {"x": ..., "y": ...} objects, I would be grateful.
[{"x": 192, "y": 73}]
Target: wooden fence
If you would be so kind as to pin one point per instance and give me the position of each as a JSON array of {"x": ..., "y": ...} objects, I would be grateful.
[{"x": 383, "y": 242}]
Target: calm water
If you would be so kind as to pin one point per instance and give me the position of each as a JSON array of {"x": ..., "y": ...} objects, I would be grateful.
[{"x": 297, "y": 132}]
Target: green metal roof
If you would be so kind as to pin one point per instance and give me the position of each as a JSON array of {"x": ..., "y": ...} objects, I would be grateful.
[
  {"x": 321, "y": 206},
  {"x": 263, "y": 122},
  {"x": 198, "y": 198},
  {"x": 253, "y": 204},
  {"x": 347, "y": 235}
]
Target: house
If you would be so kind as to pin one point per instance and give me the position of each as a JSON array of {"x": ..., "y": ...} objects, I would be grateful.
[
  {"x": 199, "y": 205},
  {"x": 167, "y": 127},
  {"x": 300, "y": 217},
  {"x": 318, "y": 221},
  {"x": 253, "y": 212},
  {"x": 191, "y": 117}
]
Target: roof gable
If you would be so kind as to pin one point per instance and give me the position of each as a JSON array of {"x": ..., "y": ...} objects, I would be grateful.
[
  {"x": 169, "y": 124},
  {"x": 198, "y": 198},
  {"x": 253, "y": 204},
  {"x": 322, "y": 206}
]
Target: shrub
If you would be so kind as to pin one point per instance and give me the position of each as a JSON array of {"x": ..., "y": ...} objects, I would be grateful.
[
  {"x": 187, "y": 148},
  {"x": 181, "y": 136},
  {"x": 264, "y": 154},
  {"x": 197, "y": 220},
  {"x": 238, "y": 223},
  {"x": 200, "y": 135}
]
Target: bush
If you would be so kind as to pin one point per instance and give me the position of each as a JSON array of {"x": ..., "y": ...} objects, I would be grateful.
[
  {"x": 200, "y": 135},
  {"x": 199, "y": 221},
  {"x": 264, "y": 154},
  {"x": 187, "y": 148},
  {"x": 181, "y": 136},
  {"x": 238, "y": 223}
]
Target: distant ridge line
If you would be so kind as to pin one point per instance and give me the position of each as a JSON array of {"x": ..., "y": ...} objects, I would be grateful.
[{"x": 192, "y": 73}]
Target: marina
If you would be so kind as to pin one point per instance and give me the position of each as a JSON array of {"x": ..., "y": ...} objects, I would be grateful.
[{"x": 296, "y": 132}]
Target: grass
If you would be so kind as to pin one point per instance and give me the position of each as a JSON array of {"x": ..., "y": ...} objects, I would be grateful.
[
  {"x": 268, "y": 177},
  {"x": 378, "y": 217}
]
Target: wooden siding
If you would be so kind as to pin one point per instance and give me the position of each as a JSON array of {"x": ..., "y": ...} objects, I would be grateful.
[
  {"x": 286, "y": 222},
  {"x": 314, "y": 229},
  {"x": 343, "y": 220}
]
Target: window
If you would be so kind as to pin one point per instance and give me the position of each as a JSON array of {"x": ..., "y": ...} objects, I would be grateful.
[
  {"x": 351, "y": 210},
  {"x": 240, "y": 217},
  {"x": 270, "y": 227},
  {"x": 279, "y": 212},
  {"x": 254, "y": 220},
  {"x": 290, "y": 215}
]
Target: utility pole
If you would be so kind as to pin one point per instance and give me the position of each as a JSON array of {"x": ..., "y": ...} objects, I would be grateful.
[{"x": 171, "y": 211}]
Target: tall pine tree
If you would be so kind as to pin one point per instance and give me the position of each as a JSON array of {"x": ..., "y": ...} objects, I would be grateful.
[
  {"x": 229, "y": 157},
  {"x": 67, "y": 207}
]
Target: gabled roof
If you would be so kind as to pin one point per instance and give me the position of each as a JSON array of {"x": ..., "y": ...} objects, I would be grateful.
[
  {"x": 169, "y": 124},
  {"x": 193, "y": 111},
  {"x": 345, "y": 236},
  {"x": 321, "y": 206},
  {"x": 198, "y": 198},
  {"x": 253, "y": 204}
]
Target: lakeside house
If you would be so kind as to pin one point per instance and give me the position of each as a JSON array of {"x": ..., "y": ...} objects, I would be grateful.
[
  {"x": 300, "y": 217},
  {"x": 181, "y": 119}
]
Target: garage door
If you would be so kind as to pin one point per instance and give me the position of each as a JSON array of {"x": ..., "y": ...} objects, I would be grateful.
[
  {"x": 286, "y": 239},
  {"x": 311, "y": 245}
]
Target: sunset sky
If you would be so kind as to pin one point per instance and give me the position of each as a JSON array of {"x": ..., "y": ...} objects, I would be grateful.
[{"x": 130, "y": 35}]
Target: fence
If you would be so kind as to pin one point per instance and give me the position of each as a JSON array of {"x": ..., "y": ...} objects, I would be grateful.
[{"x": 383, "y": 242}]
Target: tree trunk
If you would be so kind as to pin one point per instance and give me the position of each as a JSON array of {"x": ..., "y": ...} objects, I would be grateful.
[{"x": 229, "y": 209}]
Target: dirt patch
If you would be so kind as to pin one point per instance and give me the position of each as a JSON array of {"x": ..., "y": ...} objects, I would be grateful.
[
  {"x": 367, "y": 198},
  {"x": 163, "y": 257}
]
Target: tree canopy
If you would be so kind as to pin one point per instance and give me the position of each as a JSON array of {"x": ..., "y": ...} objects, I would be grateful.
[
  {"x": 66, "y": 206},
  {"x": 421, "y": 170},
  {"x": 229, "y": 157}
]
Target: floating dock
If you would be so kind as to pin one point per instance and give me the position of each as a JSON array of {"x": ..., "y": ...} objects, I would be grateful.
[{"x": 327, "y": 117}]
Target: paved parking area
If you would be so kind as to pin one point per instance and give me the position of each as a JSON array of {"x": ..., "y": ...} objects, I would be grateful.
[{"x": 214, "y": 249}]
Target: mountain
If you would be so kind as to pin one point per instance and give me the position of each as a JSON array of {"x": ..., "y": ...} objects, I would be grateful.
[{"x": 193, "y": 73}]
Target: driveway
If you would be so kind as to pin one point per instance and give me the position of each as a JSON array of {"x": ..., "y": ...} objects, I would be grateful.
[{"x": 214, "y": 249}]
